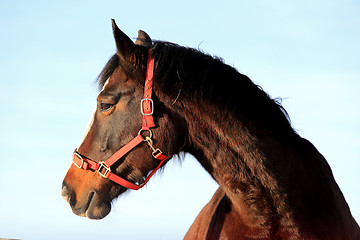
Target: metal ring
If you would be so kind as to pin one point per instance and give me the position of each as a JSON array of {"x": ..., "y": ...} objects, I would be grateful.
[
  {"x": 150, "y": 133},
  {"x": 80, "y": 157}
]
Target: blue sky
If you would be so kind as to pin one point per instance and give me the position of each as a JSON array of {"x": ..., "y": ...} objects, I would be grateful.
[{"x": 307, "y": 52}]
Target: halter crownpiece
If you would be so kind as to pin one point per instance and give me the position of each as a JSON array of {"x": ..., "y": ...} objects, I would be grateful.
[{"x": 147, "y": 110}]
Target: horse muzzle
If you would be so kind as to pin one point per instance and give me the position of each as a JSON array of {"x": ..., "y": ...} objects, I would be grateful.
[{"x": 89, "y": 205}]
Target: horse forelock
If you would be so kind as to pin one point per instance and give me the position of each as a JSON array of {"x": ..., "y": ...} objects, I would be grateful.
[{"x": 107, "y": 71}]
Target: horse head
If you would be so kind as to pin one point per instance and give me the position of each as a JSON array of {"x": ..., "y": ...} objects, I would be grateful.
[{"x": 116, "y": 121}]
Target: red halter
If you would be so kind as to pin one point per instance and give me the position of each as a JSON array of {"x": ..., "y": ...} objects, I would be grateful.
[{"x": 147, "y": 109}]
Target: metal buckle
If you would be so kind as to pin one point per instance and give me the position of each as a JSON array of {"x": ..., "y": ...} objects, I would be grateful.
[
  {"x": 151, "y": 104},
  {"x": 101, "y": 167},
  {"x": 156, "y": 152},
  {"x": 80, "y": 157}
]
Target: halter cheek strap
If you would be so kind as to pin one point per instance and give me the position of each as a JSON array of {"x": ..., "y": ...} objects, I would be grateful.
[{"x": 147, "y": 110}]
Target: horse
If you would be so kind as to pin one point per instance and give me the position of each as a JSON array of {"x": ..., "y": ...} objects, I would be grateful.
[{"x": 273, "y": 184}]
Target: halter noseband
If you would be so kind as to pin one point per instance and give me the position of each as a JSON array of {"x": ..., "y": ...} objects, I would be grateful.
[{"x": 147, "y": 110}]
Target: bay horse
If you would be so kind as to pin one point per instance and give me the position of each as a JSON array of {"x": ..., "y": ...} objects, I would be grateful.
[{"x": 274, "y": 184}]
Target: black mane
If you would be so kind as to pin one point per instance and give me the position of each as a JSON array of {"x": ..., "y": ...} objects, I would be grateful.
[{"x": 201, "y": 76}]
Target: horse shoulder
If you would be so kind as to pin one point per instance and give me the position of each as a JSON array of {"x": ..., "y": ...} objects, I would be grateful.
[{"x": 210, "y": 221}]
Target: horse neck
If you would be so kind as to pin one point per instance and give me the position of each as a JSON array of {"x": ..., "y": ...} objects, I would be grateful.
[{"x": 270, "y": 182}]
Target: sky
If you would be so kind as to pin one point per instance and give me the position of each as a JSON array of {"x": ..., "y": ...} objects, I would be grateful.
[{"x": 306, "y": 52}]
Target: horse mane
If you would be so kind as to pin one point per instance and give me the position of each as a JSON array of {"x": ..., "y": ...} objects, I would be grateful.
[{"x": 200, "y": 76}]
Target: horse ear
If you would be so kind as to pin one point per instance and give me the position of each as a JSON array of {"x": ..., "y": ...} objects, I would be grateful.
[
  {"x": 143, "y": 39},
  {"x": 125, "y": 47}
]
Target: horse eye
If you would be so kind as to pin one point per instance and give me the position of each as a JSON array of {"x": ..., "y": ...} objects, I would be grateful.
[{"x": 105, "y": 107}]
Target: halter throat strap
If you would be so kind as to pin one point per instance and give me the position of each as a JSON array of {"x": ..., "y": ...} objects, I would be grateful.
[{"x": 147, "y": 110}]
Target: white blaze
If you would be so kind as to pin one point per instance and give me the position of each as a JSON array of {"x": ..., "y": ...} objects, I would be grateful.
[{"x": 106, "y": 83}]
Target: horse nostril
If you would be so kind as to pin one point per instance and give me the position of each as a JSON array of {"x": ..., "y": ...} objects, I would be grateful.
[{"x": 65, "y": 192}]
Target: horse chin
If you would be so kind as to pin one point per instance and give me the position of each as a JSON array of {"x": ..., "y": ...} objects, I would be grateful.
[
  {"x": 94, "y": 208},
  {"x": 97, "y": 208},
  {"x": 99, "y": 211}
]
